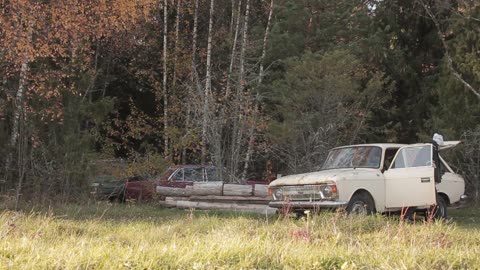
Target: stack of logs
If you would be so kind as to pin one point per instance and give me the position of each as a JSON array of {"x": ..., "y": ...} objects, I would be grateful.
[{"x": 219, "y": 196}]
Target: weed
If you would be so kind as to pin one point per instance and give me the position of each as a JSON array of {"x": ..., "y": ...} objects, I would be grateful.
[{"x": 106, "y": 236}]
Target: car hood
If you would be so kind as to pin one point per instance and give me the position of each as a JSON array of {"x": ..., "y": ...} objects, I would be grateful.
[{"x": 313, "y": 178}]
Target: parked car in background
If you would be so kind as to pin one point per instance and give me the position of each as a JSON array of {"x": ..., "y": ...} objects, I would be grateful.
[
  {"x": 107, "y": 187},
  {"x": 178, "y": 176},
  {"x": 373, "y": 178}
]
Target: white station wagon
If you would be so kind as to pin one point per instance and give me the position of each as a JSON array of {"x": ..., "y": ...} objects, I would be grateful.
[{"x": 372, "y": 178}]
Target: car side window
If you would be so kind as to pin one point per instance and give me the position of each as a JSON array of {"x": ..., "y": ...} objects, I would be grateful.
[
  {"x": 211, "y": 175},
  {"x": 193, "y": 174},
  {"x": 178, "y": 176},
  {"x": 389, "y": 155},
  {"x": 417, "y": 156}
]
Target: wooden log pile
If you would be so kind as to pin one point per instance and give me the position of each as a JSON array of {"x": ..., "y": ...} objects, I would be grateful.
[{"x": 218, "y": 196}]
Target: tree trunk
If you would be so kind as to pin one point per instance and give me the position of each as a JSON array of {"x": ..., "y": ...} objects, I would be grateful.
[
  {"x": 260, "y": 191},
  {"x": 234, "y": 49},
  {"x": 249, "y": 208},
  {"x": 206, "y": 188},
  {"x": 192, "y": 77},
  {"x": 175, "y": 52},
  {"x": 232, "y": 199},
  {"x": 22, "y": 85},
  {"x": 17, "y": 112},
  {"x": 237, "y": 132},
  {"x": 237, "y": 190},
  {"x": 232, "y": 18},
  {"x": 165, "y": 90},
  {"x": 261, "y": 74},
  {"x": 208, "y": 85},
  {"x": 169, "y": 191},
  {"x": 22, "y": 160}
]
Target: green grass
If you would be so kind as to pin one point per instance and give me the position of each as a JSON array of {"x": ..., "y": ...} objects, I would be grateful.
[{"x": 103, "y": 236}]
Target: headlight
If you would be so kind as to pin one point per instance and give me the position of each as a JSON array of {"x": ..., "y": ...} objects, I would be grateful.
[
  {"x": 328, "y": 192},
  {"x": 325, "y": 192},
  {"x": 277, "y": 194}
]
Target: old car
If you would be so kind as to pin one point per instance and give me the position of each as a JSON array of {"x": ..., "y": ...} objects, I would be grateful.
[
  {"x": 372, "y": 178},
  {"x": 178, "y": 176},
  {"x": 108, "y": 187}
]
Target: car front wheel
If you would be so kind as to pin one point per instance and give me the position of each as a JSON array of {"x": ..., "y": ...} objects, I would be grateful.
[
  {"x": 438, "y": 211},
  {"x": 361, "y": 204}
]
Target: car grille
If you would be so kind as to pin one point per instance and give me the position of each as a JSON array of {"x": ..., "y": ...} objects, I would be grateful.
[{"x": 301, "y": 193}]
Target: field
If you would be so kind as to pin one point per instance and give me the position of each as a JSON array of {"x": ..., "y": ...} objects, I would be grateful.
[{"x": 106, "y": 236}]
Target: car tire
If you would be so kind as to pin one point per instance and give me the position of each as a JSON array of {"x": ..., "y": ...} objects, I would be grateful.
[
  {"x": 439, "y": 211},
  {"x": 361, "y": 204}
]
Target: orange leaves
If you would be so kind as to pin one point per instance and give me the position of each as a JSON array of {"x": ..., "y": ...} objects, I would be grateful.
[
  {"x": 56, "y": 39},
  {"x": 45, "y": 29}
]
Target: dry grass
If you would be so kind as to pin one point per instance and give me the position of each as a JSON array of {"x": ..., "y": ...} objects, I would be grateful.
[{"x": 103, "y": 236}]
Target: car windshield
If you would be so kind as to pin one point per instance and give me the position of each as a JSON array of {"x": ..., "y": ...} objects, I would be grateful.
[{"x": 353, "y": 157}]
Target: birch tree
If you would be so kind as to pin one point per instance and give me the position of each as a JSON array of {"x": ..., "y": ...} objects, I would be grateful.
[
  {"x": 165, "y": 90},
  {"x": 234, "y": 50},
  {"x": 237, "y": 131},
  {"x": 208, "y": 84},
  {"x": 251, "y": 133},
  {"x": 177, "y": 39},
  {"x": 55, "y": 38},
  {"x": 193, "y": 76}
]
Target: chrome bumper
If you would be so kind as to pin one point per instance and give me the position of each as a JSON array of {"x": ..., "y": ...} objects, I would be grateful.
[
  {"x": 306, "y": 204},
  {"x": 463, "y": 198}
]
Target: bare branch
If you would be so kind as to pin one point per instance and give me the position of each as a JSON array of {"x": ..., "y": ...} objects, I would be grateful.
[{"x": 455, "y": 73}]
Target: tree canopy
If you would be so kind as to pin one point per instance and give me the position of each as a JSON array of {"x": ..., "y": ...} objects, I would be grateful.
[{"x": 242, "y": 84}]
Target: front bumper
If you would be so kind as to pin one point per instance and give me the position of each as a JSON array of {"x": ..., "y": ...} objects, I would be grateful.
[{"x": 307, "y": 205}]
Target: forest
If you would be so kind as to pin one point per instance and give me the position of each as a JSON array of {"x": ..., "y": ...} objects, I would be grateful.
[{"x": 255, "y": 87}]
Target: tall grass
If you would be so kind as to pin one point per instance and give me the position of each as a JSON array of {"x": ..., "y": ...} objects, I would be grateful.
[{"x": 147, "y": 237}]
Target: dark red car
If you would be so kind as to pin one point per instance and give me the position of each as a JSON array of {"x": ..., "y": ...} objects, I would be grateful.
[{"x": 178, "y": 176}]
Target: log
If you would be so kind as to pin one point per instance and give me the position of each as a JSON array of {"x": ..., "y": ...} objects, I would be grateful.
[
  {"x": 249, "y": 208},
  {"x": 170, "y": 204},
  {"x": 174, "y": 199},
  {"x": 231, "y": 199},
  {"x": 162, "y": 203},
  {"x": 207, "y": 188},
  {"x": 260, "y": 190},
  {"x": 237, "y": 190},
  {"x": 177, "y": 192}
]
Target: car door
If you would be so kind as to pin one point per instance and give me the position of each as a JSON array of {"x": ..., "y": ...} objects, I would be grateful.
[
  {"x": 211, "y": 174},
  {"x": 177, "y": 179},
  {"x": 410, "y": 180},
  {"x": 194, "y": 174}
]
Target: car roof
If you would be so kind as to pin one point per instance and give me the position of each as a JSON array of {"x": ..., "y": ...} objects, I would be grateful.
[{"x": 381, "y": 145}]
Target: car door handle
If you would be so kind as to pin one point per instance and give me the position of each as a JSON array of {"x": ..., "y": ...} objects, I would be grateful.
[{"x": 425, "y": 179}]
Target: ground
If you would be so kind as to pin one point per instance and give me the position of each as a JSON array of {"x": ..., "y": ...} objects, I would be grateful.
[{"x": 113, "y": 236}]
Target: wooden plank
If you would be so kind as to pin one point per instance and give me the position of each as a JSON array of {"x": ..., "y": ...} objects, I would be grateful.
[
  {"x": 250, "y": 208},
  {"x": 260, "y": 190},
  {"x": 207, "y": 188},
  {"x": 176, "y": 192},
  {"x": 237, "y": 190}
]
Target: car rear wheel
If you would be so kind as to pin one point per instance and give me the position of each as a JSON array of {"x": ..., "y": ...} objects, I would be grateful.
[{"x": 361, "y": 204}]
